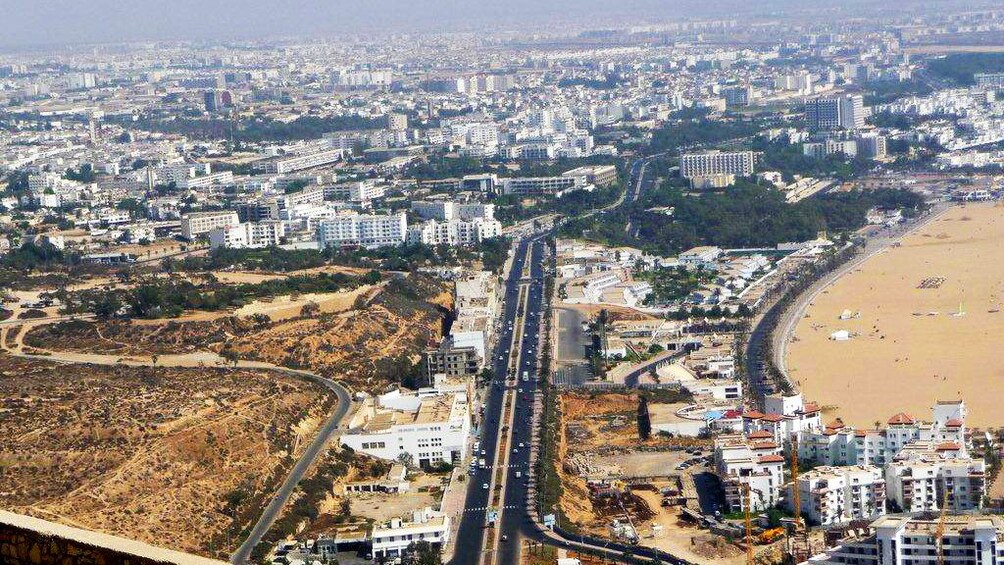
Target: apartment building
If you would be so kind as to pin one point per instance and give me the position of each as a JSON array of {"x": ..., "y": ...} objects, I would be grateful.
[
  {"x": 362, "y": 230},
  {"x": 739, "y": 163},
  {"x": 357, "y": 191},
  {"x": 309, "y": 195},
  {"x": 249, "y": 235},
  {"x": 540, "y": 186},
  {"x": 454, "y": 232},
  {"x": 820, "y": 149},
  {"x": 281, "y": 165},
  {"x": 430, "y": 429},
  {"x": 449, "y": 210},
  {"x": 745, "y": 461},
  {"x": 206, "y": 180},
  {"x": 199, "y": 223},
  {"x": 922, "y": 477},
  {"x": 838, "y": 444},
  {"x": 599, "y": 175},
  {"x": 841, "y": 112},
  {"x": 903, "y": 540},
  {"x": 832, "y": 495},
  {"x": 392, "y": 539}
]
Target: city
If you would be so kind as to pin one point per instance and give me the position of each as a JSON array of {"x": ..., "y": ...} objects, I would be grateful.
[{"x": 478, "y": 284}]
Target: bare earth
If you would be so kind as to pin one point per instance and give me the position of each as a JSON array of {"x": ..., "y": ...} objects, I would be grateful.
[
  {"x": 902, "y": 356},
  {"x": 154, "y": 454}
]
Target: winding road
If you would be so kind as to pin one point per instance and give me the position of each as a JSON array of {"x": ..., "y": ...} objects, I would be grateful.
[{"x": 296, "y": 474}]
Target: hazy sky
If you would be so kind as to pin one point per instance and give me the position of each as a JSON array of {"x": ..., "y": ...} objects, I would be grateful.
[{"x": 39, "y": 22}]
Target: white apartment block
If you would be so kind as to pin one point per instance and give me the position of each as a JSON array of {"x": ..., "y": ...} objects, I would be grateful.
[
  {"x": 288, "y": 164},
  {"x": 250, "y": 235},
  {"x": 832, "y": 495},
  {"x": 393, "y": 538},
  {"x": 540, "y": 186},
  {"x": 820, "y": 149},
  {"x": 902, "y": 540},
  {"x": 358, "y": 191},
  {"x": 206, "y": 180},
  {"x": 430, "y": 429},
  {"x": 846, "y": 112},
  {"x": 454, "y": 232},
  {"x": 194, "y": 225},
  {"x": 919, "y": 483},
  {"x": 742, "y": 461},
  {"x": 599, "y": 175},
  {"x": 363, "y": 230},
  {"x": 837, "y": 444},
  {"x": 740, "y": 163},
  {"x": 784, "y": 416},
  {"x": 447, "y": 210}
]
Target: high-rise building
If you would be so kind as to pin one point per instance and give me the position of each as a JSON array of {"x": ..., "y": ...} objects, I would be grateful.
[
  {"x": 739, "y": 163},
  {"x": 828, "y": 113},
  {"x": 217, "y": 100},
  {"x": 397, "y": 122}
]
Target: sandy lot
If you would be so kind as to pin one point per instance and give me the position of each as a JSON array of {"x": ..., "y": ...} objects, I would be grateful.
[{"x": 902, "y": 356}]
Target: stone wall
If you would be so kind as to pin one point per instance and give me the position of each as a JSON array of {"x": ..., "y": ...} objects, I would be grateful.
[{"x": 30, "y": 541}]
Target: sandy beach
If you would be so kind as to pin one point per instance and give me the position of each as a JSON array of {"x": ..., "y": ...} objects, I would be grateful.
[{"x": 924, "y": 326}]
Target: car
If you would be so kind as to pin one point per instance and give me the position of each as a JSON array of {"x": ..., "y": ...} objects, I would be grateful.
[
  {"x": 484, "y": 486},
  {"x": 521, "y": 444},
  {"x": 505, "y": 537}
]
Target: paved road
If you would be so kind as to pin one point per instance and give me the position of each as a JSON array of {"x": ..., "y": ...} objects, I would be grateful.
[
  {"x": 243, "y": 553},
  {"x": 470, "y": 534},
  {"x": 760, "y": 336}
]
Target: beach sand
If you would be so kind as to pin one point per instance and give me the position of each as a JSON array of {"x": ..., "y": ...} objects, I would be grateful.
[{"x": 897, "y": 360}]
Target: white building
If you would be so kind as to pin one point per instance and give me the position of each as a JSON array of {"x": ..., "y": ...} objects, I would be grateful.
[
  {"x": 838, "y": 444},
  {"x": 297, "y": 162},
  {"x": 363, "y": 230},
  {"x": 902, "y": 540},
  {"x": 454, "y": 232},
  {"x": 741, "y": 462},
  {"x": 921, "y": 480},
  {"x": 430, "y": 429},
  {"x": 393, "y": 538},
  {"x": 194, "y": 225},
  {"x": 832, "y": 495},
  {"x": 448, "y": 210},
  {"x": 250, "y": 235},
  {"x": 540, "y": 186},
  {"x": 843, "y": 112},
  {"x": 740, "y": 163}
]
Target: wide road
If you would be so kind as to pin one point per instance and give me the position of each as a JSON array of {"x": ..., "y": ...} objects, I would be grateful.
[
  {"x": 243, "y": 553},
  {"x": 471, "y": 533}
]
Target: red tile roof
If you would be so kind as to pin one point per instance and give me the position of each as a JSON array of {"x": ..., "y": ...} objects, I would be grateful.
[
  {"x": 954, "y": 423},
  {"x": 901, "y": 418},
  {"x": 761, "y": 434},
  {"x": 948, "y": 446},
  {"x": 753, "y": 415},
  {"x": 770, "y": 459}
]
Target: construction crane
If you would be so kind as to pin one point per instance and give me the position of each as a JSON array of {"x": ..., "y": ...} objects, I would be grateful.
[
  {"x": 939, "y": 532},
  {"x": 800, "y": 537}
]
